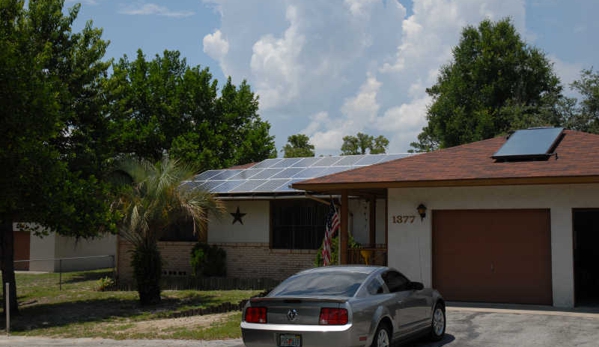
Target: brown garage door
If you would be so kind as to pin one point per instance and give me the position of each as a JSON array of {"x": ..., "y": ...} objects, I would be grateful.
[
  {"x": 22, "y": 243},
  {"x": 493, "y": 255}
]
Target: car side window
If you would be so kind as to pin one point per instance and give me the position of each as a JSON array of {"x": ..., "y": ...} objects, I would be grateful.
[
  {"x": 395, "y": 281},
  {"x": 375, "y": 287}
]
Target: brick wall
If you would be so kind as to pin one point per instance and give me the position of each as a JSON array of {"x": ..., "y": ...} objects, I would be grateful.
[
  {"x": 244, "y": 260},
  {"x": 257, "y": 260},
  {"x": 174, "y": 254}
]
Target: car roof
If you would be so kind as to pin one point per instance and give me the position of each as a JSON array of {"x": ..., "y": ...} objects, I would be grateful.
[{"x": 366, "y": 269}]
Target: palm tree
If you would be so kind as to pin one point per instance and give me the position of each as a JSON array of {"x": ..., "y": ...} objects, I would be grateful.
[{"x": 154, "y": 199}]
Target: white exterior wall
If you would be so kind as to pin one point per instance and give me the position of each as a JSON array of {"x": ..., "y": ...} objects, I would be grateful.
[
  {"x": 44, "y": 249},
  {"x": 255, "y": 228},
  {"x": 41, "y": 249},
  {"x": 416, "y": 262},
  {"x": 359, "y": 220},
  {"x": 256, "y": 222},
  {"x": 103, "y": 251}
]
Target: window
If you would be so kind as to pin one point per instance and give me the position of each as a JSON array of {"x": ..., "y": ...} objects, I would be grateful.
[
  {"x": 297, "y": 224},
  {"x": 375, "y": 287},
  {"x": 395, "y": 281},
  {"x": 181, "y": 230}
]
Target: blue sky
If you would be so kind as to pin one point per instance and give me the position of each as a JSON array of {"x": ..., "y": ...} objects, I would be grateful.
[{"x": 338, "y": 67}]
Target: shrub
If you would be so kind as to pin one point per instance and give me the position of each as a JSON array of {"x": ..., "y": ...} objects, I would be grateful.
[
  {"x": 208, "y": 261},
  {"x": 104, "y": 284}
]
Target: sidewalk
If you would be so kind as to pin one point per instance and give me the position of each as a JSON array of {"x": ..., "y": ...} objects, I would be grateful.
[{"x": 19, "y": 341}]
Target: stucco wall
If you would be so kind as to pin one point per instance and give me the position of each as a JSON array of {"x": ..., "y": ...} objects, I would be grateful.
[{"x": 416, "y": 262}]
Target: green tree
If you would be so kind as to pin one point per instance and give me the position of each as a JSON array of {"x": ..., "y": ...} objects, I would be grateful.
[
  {"x": 154, "y": 199},
  {"x": 165, "y": 106},
  {"x": 53, "y": 144},
  {"x": 361, "y": 143},
  {"x": 495, "y": 83},
  {"x": 298, "y": 146},
  {"x": 585, "y": 114}
]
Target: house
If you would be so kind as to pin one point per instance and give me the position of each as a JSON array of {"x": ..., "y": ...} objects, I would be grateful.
[
  {"x": 271, "y": 230},
  {"x": 507, "y": 220},
  {"x": 56, "y": 253}
]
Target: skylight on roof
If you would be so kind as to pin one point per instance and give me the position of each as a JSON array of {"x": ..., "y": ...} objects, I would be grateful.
[{"x": 530, "y": 144}]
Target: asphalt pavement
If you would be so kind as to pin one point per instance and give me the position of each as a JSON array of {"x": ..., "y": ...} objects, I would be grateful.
[{"x": 466, "y": 327}]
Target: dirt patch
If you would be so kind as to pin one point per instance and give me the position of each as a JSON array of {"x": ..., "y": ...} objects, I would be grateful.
[{"x": 160, "y": 327}]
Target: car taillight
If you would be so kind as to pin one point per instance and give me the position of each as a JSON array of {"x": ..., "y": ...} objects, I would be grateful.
[
  {"x": 255, "y": 315},
  {"x": 332, "y": 316}
]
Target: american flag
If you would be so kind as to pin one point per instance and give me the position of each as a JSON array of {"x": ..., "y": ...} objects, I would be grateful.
[{"x": 333, "y": 223}]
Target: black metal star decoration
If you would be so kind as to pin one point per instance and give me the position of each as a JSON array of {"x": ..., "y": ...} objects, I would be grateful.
[{"x": 237, "y": 216}]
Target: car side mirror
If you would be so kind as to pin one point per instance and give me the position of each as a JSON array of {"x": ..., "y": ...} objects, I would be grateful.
[{"x": 416, "y": 286}]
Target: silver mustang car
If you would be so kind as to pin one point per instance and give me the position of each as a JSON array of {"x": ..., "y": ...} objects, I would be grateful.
[{"x": 343, "y": 306}]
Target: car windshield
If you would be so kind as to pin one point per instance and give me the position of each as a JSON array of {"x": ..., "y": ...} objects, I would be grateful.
[{"x": 321, "y": 284}]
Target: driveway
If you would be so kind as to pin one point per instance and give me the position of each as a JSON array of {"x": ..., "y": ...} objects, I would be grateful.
[{"x": 466, "y": 327}]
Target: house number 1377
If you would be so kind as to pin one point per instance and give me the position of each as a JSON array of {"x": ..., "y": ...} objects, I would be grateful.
[{"x": 403, "y": 219}]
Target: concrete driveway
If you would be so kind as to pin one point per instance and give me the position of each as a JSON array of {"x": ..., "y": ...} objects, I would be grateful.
[{"x": 466, "y": 327}]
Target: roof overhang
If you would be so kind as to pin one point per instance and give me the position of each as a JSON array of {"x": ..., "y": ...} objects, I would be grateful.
[{"x": 338, "y": 187}]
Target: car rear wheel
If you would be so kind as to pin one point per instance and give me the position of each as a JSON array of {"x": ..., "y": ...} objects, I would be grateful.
[
  {"x": 438, "y": 323},
  {"x": 382, "y": 337}
]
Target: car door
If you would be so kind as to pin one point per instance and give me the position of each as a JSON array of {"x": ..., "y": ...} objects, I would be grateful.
[{"x": 405, "y": 305}]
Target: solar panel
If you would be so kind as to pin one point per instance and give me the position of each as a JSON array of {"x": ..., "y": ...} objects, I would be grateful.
[
  {"x": 285, "y": 163},
  {"x": 389, "y": 157},
  {"x": 267, "y": 163},
  {"x": 206, "y": 175},
  {"x": 348, "y": 160},
  {"x": 335, "y": 169},
  {"x": 529, "y": 143},
  {"x": 247, "y": 186},
  {"x": 369, "y": 160},
  {"x": 287, "y": 186},
  {"x": 275, "y": 175},
  {"x": 227, "y": 186},
  {"x": 327, "y": 161},
  {"x": 310, "y": 172},
  {"x": 246, "y": 174},
  {"x": 270, "y": 185},
  {"x": 225, "y": 174},
  {"x": 306, "y": 162},
  {"x": 267, "y": 173},
  {"x": 288, "y": 173}
]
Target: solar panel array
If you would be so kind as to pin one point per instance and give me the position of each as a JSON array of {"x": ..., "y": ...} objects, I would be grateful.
[
  {"x": 529, "y": 143},
  {"x": 277, "y": 175}
]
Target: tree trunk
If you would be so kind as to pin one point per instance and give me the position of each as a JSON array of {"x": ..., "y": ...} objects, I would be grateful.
[
  {"x": 147, "y": 268},
  {"x": 8, "y": 267}
]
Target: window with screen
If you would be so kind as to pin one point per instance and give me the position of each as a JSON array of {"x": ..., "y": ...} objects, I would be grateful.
[
  {"x": 297, "y": 224},
  {"x": 182, "y": 231}
]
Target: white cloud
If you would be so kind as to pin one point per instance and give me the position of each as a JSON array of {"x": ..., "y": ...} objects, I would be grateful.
[
  {"x": 215, "y": 45},
  {"x": 86, "y": 2},
  {"x": 567, "y": 72},
  {"x": 363, "y": 108},
  {"x": 275, "y": 64},
  {"x": 334, "y": 68},
  {"x": 152, "y": 9}
]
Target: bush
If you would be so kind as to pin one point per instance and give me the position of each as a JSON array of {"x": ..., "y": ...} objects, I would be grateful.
[
  {"x": 334, "y": 250},
  {"x": 104, "y": 284},
  {"x": 208, "y": 261}
]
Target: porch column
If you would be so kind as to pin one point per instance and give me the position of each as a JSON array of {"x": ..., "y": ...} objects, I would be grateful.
[
  {"x": 372, "y": 222},
  {"x": 343, "y": 235}
]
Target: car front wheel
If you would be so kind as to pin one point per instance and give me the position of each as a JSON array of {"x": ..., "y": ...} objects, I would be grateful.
[
  {"x": 382, "y": 337},
  {"x": 438, "y": 323}
]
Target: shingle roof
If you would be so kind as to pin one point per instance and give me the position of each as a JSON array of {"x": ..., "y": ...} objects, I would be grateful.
[{"x": 576, "y": 161}]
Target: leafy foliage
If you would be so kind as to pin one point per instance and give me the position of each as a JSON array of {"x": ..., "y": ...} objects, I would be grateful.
[
  {"x": 209, "y": 261},
  {"x": 165, "y": 106},
  {"x": 361, "y": 143},
  {"x": 585, "y": 116},
  {"x": 495, "y": 83},
  {"x": 334, "y": 250},
  {"x": 53, "y": 137},
  {"x": 298, "y": 146},
  {"x": 153, "y": 199}
]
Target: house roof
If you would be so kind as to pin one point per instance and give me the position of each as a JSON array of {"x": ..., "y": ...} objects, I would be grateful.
[
  {"x": 576, "y": 160},
  {"x": 275, "y": 176}
]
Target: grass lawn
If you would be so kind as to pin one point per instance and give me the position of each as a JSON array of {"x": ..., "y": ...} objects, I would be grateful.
[{"x": 81, "y": 310}]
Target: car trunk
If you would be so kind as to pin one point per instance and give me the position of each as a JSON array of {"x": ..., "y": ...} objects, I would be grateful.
[{"x": 299, "y": 311}]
